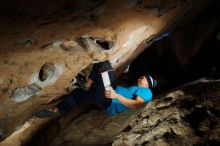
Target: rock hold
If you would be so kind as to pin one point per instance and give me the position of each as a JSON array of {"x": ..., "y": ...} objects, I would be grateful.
[
  {"x": 52, "y": 44},
  {"x": 71, "y": 46},
  {"x": 47, "y": 71},
  {"x": 27, "y": 42},
  {"x": 48, "y": 74},
  {"x": 91, "y": 44},
  {"x": 24, "y": 93}
]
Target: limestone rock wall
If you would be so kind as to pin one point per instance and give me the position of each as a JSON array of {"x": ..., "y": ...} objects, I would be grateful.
[
  {"x": 42, "y": 51},
  {"x": 186, "y": 116}
]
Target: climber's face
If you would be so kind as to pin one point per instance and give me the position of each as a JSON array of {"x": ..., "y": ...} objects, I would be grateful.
[{"x": 142, "y": 81}]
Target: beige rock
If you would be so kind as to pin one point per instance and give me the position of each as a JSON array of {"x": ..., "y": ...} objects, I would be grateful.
[{"x": 1, "y": 81}]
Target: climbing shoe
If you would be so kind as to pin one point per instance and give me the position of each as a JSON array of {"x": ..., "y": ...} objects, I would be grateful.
[{"x": 104, "y": 66}]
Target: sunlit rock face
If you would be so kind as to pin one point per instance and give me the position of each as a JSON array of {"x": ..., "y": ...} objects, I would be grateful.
[
  {"x": 45, "y": 45},
  {"x": 186, "y": 116}
]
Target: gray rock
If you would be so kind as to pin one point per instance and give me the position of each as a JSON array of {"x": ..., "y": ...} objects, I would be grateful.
[
  {"x": 52, "y": 44},
  {"x": 47, "y": 75},
  {"x": 24, "y": 93},
  {"x": 26, "y": 42},
  {"x": 92, "y": 44},
  {"x": 47, "y": 71}
]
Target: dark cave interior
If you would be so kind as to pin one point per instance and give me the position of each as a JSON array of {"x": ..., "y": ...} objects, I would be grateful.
[{"x": 162, "y": 63}]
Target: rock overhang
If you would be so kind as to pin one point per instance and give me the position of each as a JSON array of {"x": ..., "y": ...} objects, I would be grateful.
[{"x": 91, "y": 33}]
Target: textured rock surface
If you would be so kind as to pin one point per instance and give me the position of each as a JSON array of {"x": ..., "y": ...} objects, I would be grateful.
[
  {"x": 186, "y": 116},
  {"x": 43, "y": 48},
  {"x": 93, "y": 128}
]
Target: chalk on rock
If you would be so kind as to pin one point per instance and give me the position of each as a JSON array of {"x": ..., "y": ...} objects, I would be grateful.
[
  {"x": 57, "y": 43},
  {"x": 24, "y": 93},
  {"x": 47, "y": 75},
  {"x": 52, "y": 44}
]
